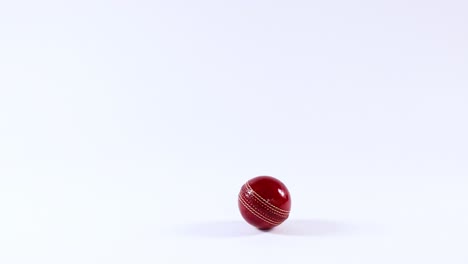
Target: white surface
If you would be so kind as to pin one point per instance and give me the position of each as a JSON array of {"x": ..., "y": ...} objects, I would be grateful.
[{"x": 128, "y": 127}]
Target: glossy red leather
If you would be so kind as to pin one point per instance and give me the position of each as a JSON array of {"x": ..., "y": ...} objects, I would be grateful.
[{"x": 264, "y": 202}]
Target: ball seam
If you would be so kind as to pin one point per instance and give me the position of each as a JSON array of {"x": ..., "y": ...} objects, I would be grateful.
[
  {"x": 258, "y": 202},
  {"x": 257, "y": 214},
  {"x": 266, "y": 203}
]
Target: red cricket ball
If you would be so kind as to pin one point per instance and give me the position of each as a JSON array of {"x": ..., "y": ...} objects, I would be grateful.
[{"x": 264, "y": 202}]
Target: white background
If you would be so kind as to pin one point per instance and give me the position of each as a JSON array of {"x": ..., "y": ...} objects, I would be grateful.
[{"x": 128, "y": 127}]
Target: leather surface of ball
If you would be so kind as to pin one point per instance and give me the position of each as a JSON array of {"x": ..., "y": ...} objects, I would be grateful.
[{"x": 264, "y": 202}]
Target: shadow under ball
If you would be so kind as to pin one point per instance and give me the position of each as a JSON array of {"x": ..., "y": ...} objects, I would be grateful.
[{"x": 264, "y": 202}]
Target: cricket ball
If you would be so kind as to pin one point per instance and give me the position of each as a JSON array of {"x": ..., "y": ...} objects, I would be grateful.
[{"x": 264, "y": 202}]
